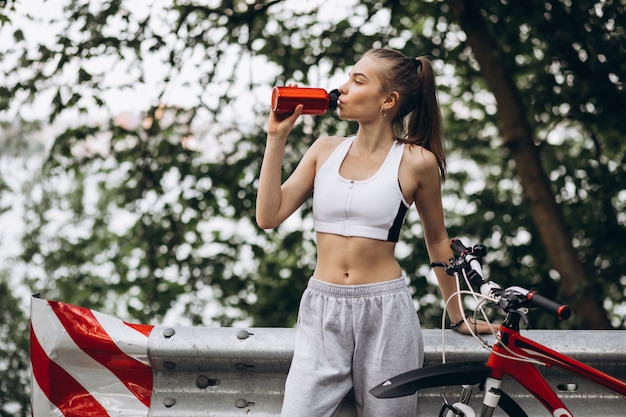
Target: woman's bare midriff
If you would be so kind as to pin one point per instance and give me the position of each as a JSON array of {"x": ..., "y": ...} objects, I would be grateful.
[{"x": 355, "y": 260}]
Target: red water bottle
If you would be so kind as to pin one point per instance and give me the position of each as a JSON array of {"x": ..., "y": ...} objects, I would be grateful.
[{"x": 315, "y": 100}]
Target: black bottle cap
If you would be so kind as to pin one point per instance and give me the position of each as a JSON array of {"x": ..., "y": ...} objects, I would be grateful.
[{"x": 333, "y": 98}]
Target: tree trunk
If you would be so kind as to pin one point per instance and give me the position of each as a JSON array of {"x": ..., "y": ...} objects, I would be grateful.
[{"x": 518, "y": 138}]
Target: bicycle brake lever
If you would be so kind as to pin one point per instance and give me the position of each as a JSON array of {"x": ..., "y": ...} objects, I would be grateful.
[{"x": 450, "y": 269}]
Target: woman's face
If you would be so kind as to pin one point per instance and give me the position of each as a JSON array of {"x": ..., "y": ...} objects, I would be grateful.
[{"x": 362, "y": 96}]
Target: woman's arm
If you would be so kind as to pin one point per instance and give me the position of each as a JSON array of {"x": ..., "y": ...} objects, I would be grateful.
[
  {"x": 429, "y": 206},
  {"x": 275, "y": 201}
]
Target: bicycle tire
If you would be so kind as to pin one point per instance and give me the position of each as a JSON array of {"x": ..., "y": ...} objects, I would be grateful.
[{"x": 509, "y": 406}]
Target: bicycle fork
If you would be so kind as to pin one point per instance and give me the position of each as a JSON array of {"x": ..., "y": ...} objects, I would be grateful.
[
  {"x": 462, "y": 408},
  {"x": 492, "y": 396}
]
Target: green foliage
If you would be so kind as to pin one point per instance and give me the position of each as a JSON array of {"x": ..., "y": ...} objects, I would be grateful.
[
  {"x": 158, "y": 256},
  {"x": 14, "y": 357}
]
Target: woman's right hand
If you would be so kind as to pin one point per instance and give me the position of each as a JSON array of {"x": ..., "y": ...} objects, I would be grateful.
[{"x": 280, "y": 124}]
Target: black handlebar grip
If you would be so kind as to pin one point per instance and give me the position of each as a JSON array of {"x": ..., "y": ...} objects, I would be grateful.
[
  {"x": 563, "y": 312},
  {"x": 457, "y": 247}
]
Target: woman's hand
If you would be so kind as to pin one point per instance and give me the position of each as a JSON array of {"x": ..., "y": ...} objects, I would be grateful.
[{"x": 280, "y": 124}]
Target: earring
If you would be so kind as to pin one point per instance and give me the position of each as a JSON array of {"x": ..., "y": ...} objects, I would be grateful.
[{"x": 383, "y": 112}]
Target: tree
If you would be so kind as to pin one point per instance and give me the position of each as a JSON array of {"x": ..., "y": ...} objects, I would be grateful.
[
  {"x": 535, "y": 75},
  {"x": 519, "y": 141},
  {"x": 14, "y": 324},
  {"x": 14, "y": 359}
]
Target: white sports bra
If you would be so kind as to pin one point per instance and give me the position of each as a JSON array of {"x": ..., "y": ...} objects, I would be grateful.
[{"x": 373, "y": 208}]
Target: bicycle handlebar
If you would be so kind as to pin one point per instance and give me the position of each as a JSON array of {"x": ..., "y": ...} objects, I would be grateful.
[
  {"x": 469, "y": 260},
  {"x": 458, "y": 247},
  {"x": 563, "y": 312}
]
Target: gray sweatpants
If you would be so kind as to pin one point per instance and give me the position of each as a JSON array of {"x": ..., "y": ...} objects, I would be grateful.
[{"x": 354, "y": 336}]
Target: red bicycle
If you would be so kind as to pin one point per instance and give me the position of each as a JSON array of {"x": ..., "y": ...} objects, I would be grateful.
[{"x": 512, "y": 354}]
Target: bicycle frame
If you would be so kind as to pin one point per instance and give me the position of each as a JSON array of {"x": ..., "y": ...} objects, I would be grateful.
[{"x": 529, "y": 376}]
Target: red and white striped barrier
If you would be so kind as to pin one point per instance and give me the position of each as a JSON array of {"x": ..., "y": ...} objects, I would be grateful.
[{"x": 87, "y": 364}]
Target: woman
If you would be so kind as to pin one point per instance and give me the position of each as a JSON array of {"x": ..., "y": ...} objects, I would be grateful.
[{"x": 357, "y": 323}]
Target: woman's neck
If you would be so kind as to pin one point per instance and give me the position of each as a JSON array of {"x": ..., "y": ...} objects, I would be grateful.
[{"x": 373, "y": 138}]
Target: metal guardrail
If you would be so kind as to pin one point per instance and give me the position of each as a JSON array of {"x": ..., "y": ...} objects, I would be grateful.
[
  {"x": 225, "y": 372},
  {"x": 218, "y": 371}
]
